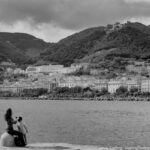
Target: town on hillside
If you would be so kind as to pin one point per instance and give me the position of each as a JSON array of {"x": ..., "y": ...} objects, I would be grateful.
[{"x": 49, "y": 77}]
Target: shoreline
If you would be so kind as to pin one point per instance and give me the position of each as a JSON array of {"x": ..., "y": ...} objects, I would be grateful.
[{"x": 146, "y": 99}]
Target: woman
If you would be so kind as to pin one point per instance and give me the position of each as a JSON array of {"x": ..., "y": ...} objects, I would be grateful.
[{"x": 10, "y": 121}]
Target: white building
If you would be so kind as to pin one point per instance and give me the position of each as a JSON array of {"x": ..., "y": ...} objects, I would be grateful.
[
  {"x": 73, "y": 81},
  {"x": 99, "y": 85},
  {"x": 45, "y": 69},
  {"x": 32, "y": 69},
  {"x": 80, "y": 65},
  {"x": 133, "y": 83},
  {"x": 50, "y": 68},
  {"x": 145, "y": 85},
  {"x": 113, "y": 85},
  {"x": 19, "y": 71}
]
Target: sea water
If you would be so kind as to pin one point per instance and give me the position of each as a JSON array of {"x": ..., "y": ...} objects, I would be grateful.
[{"x": 81, "y": 123}]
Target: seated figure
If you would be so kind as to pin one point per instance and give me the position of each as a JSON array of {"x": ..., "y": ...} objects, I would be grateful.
[
  {"x": 18, "y": 139},
  {"x": 11, "y": 137}
]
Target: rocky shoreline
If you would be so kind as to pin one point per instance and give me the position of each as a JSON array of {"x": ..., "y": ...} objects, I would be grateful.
[{"x": 79, "y": 98}]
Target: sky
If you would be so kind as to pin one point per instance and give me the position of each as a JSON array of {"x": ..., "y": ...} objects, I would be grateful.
[{"x": 52, "y": 20}]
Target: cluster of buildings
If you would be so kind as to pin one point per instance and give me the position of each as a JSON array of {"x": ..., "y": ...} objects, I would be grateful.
[
  {"x": 139, "y": 67},
  {"x": 113, "y": 27},
  {"x": 52, "y": 76},
  {"x": 46, "y": 76},
  {"x": 16, "y": 87},
  {"x": 143, "y": 85},
  {"x": 73, "y": 81},
  {"x": 52, "y": 69}
]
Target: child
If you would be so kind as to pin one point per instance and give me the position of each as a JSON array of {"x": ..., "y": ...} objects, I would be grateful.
[{"x": 22, "y": 128}]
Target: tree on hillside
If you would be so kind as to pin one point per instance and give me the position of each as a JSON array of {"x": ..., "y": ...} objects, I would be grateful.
[
  {"x": 133, "y": 90},
  {"x": 104, "y": 91},
  {"x": 122, "y": 90}
]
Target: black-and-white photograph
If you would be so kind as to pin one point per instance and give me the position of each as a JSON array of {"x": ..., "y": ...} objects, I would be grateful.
[{"x": 74, "y": 74}]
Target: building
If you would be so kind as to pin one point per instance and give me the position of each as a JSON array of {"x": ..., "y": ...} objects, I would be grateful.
[
  {"x": 133, "y": 68},
  {"x": 113, "y": 85},
  {"x": 117, "y": 26},
  {"x": 32, "y": 70},
  {"x": 80, "y": 65},
  {"x": 19, "y": 71},
  {"x": 73, "y": 81},
  {"x": 50, "y": 68},
  {"x": 140, "y": 69},
  {"x": 145, "y": 85},
  {"x": 96, "y": 72},
  {"x": 139, "y": 63},
  {"x": 45, "y": 69},
  {"x": 100, "y": 84},
  {"x": 4, "y": 64}
]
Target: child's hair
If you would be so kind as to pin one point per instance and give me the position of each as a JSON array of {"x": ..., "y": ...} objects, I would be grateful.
[{"x": 20, "y": 119}]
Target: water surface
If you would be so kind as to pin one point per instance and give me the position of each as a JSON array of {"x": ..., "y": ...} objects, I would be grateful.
[{"x": 105, "y": 124}]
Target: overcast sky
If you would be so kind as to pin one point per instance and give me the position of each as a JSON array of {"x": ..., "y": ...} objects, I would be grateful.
[{"x": 53, "y": 20}]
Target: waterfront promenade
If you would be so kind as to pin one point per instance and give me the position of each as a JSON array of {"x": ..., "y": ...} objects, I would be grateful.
[
  {"x": 58, "y": 146},
  {"x": 65, "y": 98}
]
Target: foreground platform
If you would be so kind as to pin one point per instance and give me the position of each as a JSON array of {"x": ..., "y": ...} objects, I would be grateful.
[
  {"x": 55, "y": 146},
  {"x": 62, "y": 146}
]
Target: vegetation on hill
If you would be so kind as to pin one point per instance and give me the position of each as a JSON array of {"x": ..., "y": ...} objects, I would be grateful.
[
  {"x": 103, "y": 48},
  {"x": 73, "y": 47},
  {"x": 20, "y": 48}
]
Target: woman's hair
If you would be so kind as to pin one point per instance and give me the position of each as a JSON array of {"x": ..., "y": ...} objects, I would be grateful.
[{"x": 8, "y": 114}]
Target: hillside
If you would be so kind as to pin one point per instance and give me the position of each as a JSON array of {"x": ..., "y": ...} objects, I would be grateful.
[
  {"x": 73, "y": 47},
  {"x": 20, "y": 48},
  {"x": 102, "y": 45}
]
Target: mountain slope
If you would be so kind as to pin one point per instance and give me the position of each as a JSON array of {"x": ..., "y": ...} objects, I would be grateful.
[
  {"x": 73, "y": 47},
  {"x": 20, "y": 47},
  {"x": 128, "y": 41}
]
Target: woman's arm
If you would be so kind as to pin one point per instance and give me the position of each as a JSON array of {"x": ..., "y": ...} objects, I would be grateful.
[{"x": 14, "y": 121}]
